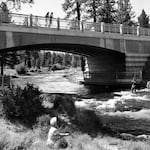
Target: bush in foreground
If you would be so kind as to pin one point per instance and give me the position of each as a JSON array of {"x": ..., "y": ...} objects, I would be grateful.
[
  {"x": 23, "y": 105},
  {"x": 43, "y": 125},
  {"x": 63, "y": 104},
  {"x": 21, "y": 69},
  {"x": 87, "y": 121}
]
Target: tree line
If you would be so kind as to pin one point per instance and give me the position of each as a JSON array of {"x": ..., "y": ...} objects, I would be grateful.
[
  {"x": 38, "y": 59},
  {"x": 35, "y": 59},
  {"x": 107, "y": 11}
]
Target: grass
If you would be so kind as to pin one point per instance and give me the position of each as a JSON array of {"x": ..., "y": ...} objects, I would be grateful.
[
  {"x": 31, "y": 140},
  {"x": 11, "y": 140},
  {"x": 17, "y": 137}
]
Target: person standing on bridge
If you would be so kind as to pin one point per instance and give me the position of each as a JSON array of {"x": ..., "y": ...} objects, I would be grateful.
[
  {"x": 46, "y": 19},
  {"x": 50, "y": 19}
]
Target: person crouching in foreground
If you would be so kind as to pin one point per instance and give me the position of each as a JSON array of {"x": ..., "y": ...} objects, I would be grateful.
[{"x": 55, "y": 138}]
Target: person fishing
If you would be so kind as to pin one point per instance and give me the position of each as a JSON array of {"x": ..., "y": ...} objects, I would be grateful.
[{"x": 133, "y": 85}]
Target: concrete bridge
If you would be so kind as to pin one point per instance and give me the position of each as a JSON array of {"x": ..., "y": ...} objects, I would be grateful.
[{"x": 114, "y": 53}]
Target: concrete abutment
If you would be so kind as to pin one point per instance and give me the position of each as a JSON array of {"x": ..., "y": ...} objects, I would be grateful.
[{"x": 102, "y": 69}]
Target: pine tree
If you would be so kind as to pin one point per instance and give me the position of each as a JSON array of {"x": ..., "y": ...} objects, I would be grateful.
[
  {"x": 9, "y": 59},
  {"x": 107, "y": 11},
  {"x": 73, "y": 8},
  {"x": 91, "y": 9},
  {"x": 143, "y": 19},
  {"x": 124, "y": 15},
  {"x": 4, "y": 16},
  {"x": 16, "y": 4}
]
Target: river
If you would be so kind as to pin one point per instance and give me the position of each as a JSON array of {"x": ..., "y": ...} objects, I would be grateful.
[
  {"x": 55, "y": 82},
  {"x": 122, "y": 111}
]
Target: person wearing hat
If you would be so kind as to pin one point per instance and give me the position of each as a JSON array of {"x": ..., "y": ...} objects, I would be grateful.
[{"x": 54, "y": 135}]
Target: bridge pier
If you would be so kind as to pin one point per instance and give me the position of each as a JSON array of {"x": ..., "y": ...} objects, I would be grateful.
[{"x": 102, "y": 69}]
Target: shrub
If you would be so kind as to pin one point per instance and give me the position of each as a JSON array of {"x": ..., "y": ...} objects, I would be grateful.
[
  {"x": 88, "y": 121},
  {"x": 23, "y": 105},
  {"x": 64, "y": 104},
  {"x": 43, "y": 125},
  {"x": 43, "y": 121},
  {"x": 56, "y": 67},
  {"x": 21, "y": 69}
]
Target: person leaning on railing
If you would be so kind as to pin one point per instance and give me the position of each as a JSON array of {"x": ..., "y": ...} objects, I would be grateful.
[
  {"x": 50, "y": 19},
  {"x": 46, "y": 19}
]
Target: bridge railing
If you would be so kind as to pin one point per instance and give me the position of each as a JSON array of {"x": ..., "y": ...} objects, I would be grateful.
[
  {"x": 144, "y": 32},
  {"x": 99, "y": 75},
  {"x": 130, "y": 30},
  {"x": 88, "y": 26},
  {"x": 31, "y": 21},
  {"x": 111, "y": 28},
  {"x": 57, "y": 23},
  {"x": 128, "y": 76}
]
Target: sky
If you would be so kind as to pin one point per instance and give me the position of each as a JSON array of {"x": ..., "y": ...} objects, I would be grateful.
[{"x": 41, "y": 7}]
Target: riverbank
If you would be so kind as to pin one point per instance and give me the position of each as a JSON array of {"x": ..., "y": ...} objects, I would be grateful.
[
  {"x": 15, "y": 136},
  {"x": 124, "y": 113},
  {"x": 30, "y": 139}
]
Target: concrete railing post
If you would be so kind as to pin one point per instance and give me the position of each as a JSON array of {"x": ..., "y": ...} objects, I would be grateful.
[
  {"x": 31, "y": 21},
  {"x": 138, "y": 31},
  {"x": 58, "y": 23},
  {"x": 121, "y": 28},
  {"x": 102, "y": 27}
]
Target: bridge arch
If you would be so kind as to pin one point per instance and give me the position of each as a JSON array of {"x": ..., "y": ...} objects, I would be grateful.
[
  {"x": 80, "y": 49},
  {"x": 102, "y": 63}
]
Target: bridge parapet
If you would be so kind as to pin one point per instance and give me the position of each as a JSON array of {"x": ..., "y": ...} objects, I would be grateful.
[
  {"x": 128, "y": 76},
  {"x": 114, "y": 77},
  {"x": 58, "y": 23}
]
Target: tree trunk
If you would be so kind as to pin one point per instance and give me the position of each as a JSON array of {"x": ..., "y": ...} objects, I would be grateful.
[
  {"x": 94, "y": 11},
  {"x": 2, "y": 64},
  {"x": 78, "y": 11},
  {"x": 82, "y": 64},
  {"x": 73, "y": 61}
]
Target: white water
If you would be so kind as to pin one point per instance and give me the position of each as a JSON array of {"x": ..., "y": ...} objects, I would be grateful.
[{"x": 135, "y": 108}]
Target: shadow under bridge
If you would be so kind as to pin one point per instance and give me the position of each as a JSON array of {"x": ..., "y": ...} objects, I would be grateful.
[{"x": 100, "y": 64}]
